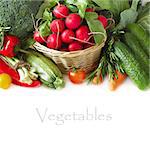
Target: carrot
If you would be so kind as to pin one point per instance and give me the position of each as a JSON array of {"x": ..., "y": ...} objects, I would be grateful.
[
  {"x": 116, "y": 82},
  {"x": 97, "y": 80}
]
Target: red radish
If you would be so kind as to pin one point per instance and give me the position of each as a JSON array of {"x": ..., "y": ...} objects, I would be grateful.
[
  {"x": 66, "y": 36},
  {"x": 73, "y": 21},
  {"x": 83, "y": 33},
  {"x": 54, "y": 41},
  {"x": 89, "y": 10},
  {"x": 75, "y": 46},
  {"x": 103, "y": 20},
  {"x": 61, "y": 11},
  {"x": 38, "y": 38},
  {"x": 57, "y": 26}
]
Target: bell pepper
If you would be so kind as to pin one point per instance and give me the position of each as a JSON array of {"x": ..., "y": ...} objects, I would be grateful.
[
  {"x": 11, "y": 42},
  {"x": 4, "y": 68}
]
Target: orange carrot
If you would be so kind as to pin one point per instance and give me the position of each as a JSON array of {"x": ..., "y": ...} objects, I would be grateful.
[
  {"x": 115, "y": 83},
  {"x": 97, "y": 80}
]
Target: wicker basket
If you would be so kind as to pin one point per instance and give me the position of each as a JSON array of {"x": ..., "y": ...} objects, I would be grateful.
[{"x": 86, "y": 59}]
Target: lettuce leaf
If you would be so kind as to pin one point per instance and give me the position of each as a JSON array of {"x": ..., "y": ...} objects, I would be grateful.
[{"x": 116, "y": 6}]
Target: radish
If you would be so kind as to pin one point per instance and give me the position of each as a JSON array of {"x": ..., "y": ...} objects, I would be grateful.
[
  {"x": 89, "y": 10},
  {"x": 54, "y": 41},
  {"x": 61, "y": 11},
  {"x": 66, "y": 36},
  {"x": 75, "y": 46},
  {"x": 83, "y": 33},
  {"x": 64, "y": 49},
  {"x": 38, "y": 38},
  {"x": 103, "y": 20},
  {"x": 57, "y": 26},
  {"x": 73, "y": 21}
]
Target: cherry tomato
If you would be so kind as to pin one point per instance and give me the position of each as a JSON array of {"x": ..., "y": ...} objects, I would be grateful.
[
  {"x": 77, "y": 76},
  {"x": 5, "y": 81}
]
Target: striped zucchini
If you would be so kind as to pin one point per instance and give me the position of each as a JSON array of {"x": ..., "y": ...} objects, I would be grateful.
[
  {"x": 48, "y": 72},
  {"x": 131, "y": 66}
]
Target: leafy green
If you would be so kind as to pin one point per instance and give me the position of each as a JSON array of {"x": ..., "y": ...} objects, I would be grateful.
[
  {"x": 144, "y": 17},
  {"x": 96, "y": 27},
  {"x": 128, "y": 15},
  {"x": 44, "y": 29},
  {"x": 80, "y": 4},
  {"x": 116, "y": 6},
  {"x": 47, "y": 15}
]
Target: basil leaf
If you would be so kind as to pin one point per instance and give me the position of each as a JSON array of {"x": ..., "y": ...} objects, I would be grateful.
[{"x": 96, "y": 27}]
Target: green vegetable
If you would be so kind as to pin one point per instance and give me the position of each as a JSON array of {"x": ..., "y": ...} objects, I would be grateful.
[
  {"x": 131, "y": 66},
  {"x": 96, "y": 27},
  {"x": 144, "y": 17},
  {"x": 141, "y": 35},
  {"x": 17, "y": 15},
  {"x": 48, "y": 72},
  {"x": 128, "y": 15},
  {"x": 115, "y": 6},
  {"x": 137, "y": 51}
]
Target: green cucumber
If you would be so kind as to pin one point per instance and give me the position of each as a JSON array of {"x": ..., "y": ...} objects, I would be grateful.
[
  {"x": 141, "y": 35},
  {"x": 137, "y": 51},
  {"x": 131, "y": 66}
]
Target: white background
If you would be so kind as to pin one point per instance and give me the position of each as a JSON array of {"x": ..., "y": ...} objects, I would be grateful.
[{"x": 22, "y": 129}]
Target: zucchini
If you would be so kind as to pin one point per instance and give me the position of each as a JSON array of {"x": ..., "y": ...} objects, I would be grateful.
[
  {"x": 137, "y": 51},
  {"x": 48, "y": 72},
  {"x": 141, "y": 35},
  {"x": 131, "y": 66}
]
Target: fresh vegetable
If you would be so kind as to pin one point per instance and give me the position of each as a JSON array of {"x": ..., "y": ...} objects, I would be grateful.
[
  {"x": 48, "y": 72},
  {"x": 128, "y": 16},
  {"x": 82, "y": 33},
  {"x": 77, "y": 76},
  {"x": 137, "y": 51},
  {"x": 117, "y": 81},
  {"x": 97, "y": 80},
  {"x": 61, "y": 11},
  {"x": 20, "y": 76},
  {"x": 5, "y": 81},
  {"x": 141, "y": 35},
  {"x": 9, "y": 45},
  {"x": 17, "y": 15},
  {"x": 73, "y": 21},
  {"x": 74, "y": 46},
  {"x": 67, "y": 36},
  {"x": 38, "y": 38},
  {"x": 89, "y": 10},
  {"x": 144, "y": 17},
  {"x": 103, "y": 20},
  {"x": 54, "y": 41},
  {"x": 115, "y": 6},
  {"x": 57, "y": 26},
  {"x": 131, "y": 66}
]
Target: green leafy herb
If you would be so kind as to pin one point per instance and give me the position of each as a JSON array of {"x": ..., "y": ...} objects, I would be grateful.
[{"x": 44, "y": 29}]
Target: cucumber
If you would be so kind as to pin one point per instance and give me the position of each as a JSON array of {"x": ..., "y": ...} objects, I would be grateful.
[
  {"x": 141, "y": 35},
  {"x": 48, "y": 72},
  {"x": 137, "y": 51},
  {"x": 131, "y": 66}
]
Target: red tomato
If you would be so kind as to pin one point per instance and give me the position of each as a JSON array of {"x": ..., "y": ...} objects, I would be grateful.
[{"x": 77, "y": 76}]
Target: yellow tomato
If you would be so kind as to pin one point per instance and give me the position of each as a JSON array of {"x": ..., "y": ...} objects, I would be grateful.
[{"x": 5, "y": 81}]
